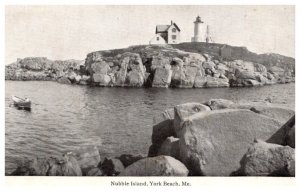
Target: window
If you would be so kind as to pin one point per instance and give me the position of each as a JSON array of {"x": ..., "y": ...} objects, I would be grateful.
[
  {"x": 157, "y": 38},
  {"x": 173, "y": 36},
  {"x": 174, "y": 30}
]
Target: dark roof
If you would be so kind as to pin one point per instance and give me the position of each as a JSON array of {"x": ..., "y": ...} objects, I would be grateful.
[
  {"x": 164, "y": 28},
  {"x": 176, "y": 27}
]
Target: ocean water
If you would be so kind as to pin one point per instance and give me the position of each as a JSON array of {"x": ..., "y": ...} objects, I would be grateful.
[{"x": 117, "y": 120}]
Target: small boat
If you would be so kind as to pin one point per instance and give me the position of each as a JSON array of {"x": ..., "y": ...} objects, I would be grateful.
[{"x": 21, "y": 103}]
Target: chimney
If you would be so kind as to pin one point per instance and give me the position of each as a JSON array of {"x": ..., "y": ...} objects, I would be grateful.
[{"x": 171, "y": 22}]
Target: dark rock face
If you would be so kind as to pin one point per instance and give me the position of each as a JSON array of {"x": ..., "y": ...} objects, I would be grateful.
[
  {"x": 285, "y": 135},
  {"x": 266, "y": 159},
  {"x": 162, "y": 128},
  {"x": 128, "y": 159},
  {"x": 111, "y": 167},
  {"x": 156, "y": 166}
]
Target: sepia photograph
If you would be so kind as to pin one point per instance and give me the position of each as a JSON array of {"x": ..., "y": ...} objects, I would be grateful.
[{"x": 150, "y": 90}]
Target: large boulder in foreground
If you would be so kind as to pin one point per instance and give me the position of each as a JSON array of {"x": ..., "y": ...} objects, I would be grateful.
[
  {"x": 213, "y": 142},
  {"x": 156, "y": 166},
  {"x": 266, "y": 159}
]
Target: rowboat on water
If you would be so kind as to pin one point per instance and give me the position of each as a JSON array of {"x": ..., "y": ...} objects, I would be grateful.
[{"x": 21, "y": 103}]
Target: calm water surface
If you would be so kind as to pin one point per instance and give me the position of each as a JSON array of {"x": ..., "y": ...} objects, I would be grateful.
[{"x": 118, "y": 120}]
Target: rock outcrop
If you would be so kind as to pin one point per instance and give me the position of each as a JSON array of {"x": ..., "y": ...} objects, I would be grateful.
[
  {"x": 65, "y": 166},
  {"x": 211, "y": 138},
  {"x": 156, "y": 66}
]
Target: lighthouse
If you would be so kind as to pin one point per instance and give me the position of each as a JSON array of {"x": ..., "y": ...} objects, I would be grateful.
[{"x": 199, "y": 31}]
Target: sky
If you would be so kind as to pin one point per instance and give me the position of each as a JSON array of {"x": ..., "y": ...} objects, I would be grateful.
[{"x": 71, "y": 32}]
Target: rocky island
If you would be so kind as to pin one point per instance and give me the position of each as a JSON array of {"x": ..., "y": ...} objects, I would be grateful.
[{"x": 184, "y": 65}]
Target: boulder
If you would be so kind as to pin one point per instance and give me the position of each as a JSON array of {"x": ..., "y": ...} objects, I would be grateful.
[
  {"x": 170, "y": 147},
  {"x": 78, "y": 78},
  {"x": 64, "y": 80},
  {"x": 84, "y": 80},
  {"x": 70, "y": 167},
  {"x": 208, "y": 65},
  {"x": 87, "y": 156},
  {"x": 156, "y": 166},
  {"x": 222, "y": 68},
  {"x": 275, "y": 70},
  {"x": 250, "y": 83},
  {"x": 244, "y": 74},
  {"x": 285, "y": 135},
  {"x": 71, "y": 75},
  {"x": 266, "y": 159},
  {"x": 100, "y": 67},
  {"x": 162, "y": 77},
  {"x": 183, "y": 111},
  {"x": 213, "y": 142},
  {"x": 101, "y": 79},
  {"x": 111, "y": 167},
  {"x": 128, "y": 159}
]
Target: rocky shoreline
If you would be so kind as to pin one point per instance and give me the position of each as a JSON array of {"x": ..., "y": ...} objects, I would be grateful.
[
  {"x": 179, "y": 66},
  {"x": 215, "y": 138}
]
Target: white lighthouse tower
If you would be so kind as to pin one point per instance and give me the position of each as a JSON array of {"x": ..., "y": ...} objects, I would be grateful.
[{"x": 199, "y": 31}]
